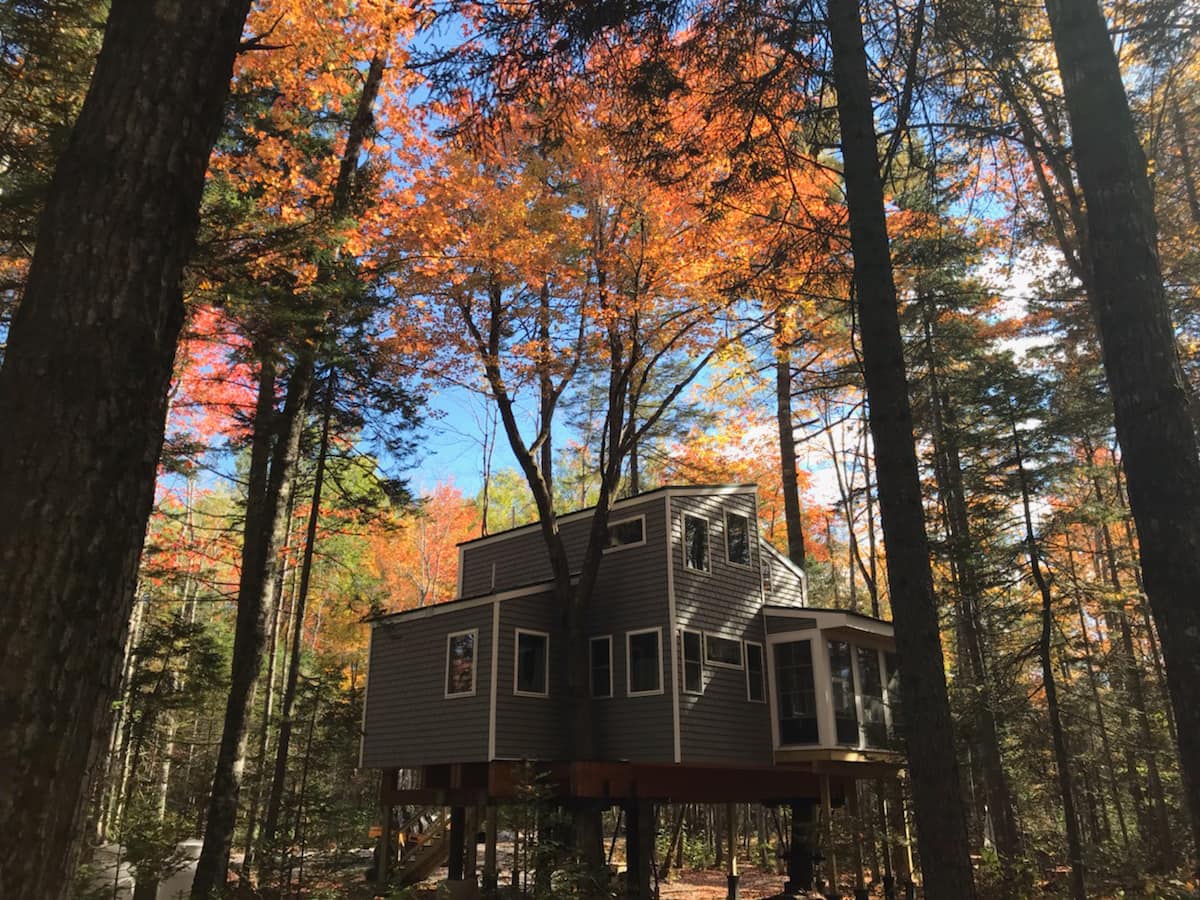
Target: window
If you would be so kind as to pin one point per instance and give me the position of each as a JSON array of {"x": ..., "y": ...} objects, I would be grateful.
[
  {"x": 693, "y": 667},
  {"x": 722, "y": 651},
  {"x": 766, "y": 575},
  {"x": 532, "y": 671},
  {"x": 737, "y": 539},
  {"x": 695, "y": 543},
  {"x": 841, "y": 675},
  {"x": 600, "y": 652},
  {"x": 892, "y": 662},
  {"x": 643, "y": 662},
  {"x": 796, "y": 693},
  {"x": 460, "y": 663},
  {"x": 626, "y": 533},
  {"x": 874, "y": 722},
  {"x": 756, "y": 685}
]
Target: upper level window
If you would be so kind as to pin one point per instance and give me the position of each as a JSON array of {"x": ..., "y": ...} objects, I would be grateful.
[
  {"x": 871, "y": 683},
  {"x": 722, "y": 651},
  {"x": 626, "y": 533},
  {"x": 532, "y": 674},
  {"x": 693, "y": 665},
  {"x": 460, "y": 663},
  {"x": 756, "y": 685},
  {"x": 643, "y": 661},
  {"x": 600, "y": 663},
  {"x": 737, "y": 539},
  {"x": 766, "y": 576},
  {"x": 892, "y": 662},
  {"x": 695, "y": 543},
  {"x": 841, "y": 674}
]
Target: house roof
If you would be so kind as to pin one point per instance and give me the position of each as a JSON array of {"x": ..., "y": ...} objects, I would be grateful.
[{"x": 682, "y": 489}]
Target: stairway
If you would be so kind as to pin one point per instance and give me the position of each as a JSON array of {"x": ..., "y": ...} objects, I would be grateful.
[{"x": 425, "y": 845}]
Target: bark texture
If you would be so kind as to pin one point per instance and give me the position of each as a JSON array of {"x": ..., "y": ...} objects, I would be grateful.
[
  {"x": 937, "y": 789},
  {"x": 83, "y": 399},
  {"x": 1149, "y": 391}
]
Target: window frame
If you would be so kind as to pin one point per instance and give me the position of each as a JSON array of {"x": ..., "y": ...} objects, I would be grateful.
[
  {"x": 474, "y": 632},
  {"x": 613, "y": 524},
  {"x": 517, "y": 692},
  {"x": 707, "y": 542},
  {"x": 762, "y": 672},
  {"x": 709, "y": 661},
  {"x": 749, "y": 563},
  {"x": 768, "y": 577},
  {"x": 629, "y": 635},
  {"x": 684, "y": 660},
  {"x": 592, "y": 666}
]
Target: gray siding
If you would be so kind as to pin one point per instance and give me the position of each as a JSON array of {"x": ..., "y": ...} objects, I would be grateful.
[
  {"x": 409, "y": 721},
  {"x": 531, "y": 727},
  {"x": 787, "y": 589},
  {"x": 780, "y": 624},
  {"x": 519, "y": 558},
  {"x": 720, "y": 725}
]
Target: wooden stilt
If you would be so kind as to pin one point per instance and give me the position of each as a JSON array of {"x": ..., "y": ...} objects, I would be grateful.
[
  {"x": 457, "y": 834},
  {"x": 827, "y": 821},
  {"x": 732, "y": 876},
  {"x": 491, "y": 874},
  {"x": 471, "y": 844},
  {"x": 860, "y": 884},
  {"x": 384, "y": 860},
  {"x": 800, "y": 855}
]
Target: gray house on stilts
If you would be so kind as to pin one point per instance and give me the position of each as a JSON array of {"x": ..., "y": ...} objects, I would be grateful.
[{"x": 711, "y": 679}]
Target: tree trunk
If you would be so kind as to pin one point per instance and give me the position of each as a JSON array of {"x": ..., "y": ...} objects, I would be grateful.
[
  {"x": 83, "y": 401},
  {"x": 283, "y": 743},
  {"x": 933, "y": 766},
  {"x": 1058, "y": 737},
  {"x": 787, "y": 450},
  {"x": 1149, "y": 390}
]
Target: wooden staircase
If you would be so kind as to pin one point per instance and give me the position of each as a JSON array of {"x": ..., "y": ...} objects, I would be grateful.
[{"x": 425, "y": 845}]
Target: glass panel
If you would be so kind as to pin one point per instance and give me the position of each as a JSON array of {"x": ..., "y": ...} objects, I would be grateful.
[
  {"x": 797, "y": 693},
  {"x": 645, "y": 670},
  {"x": 755, "y": 685},
  {"x": 695, "y": 543},
  {"x": 601, "y": 667},
  {"x": 693, "y": 668},
  {"x": 893, "y": 690},
  {"x": 841, "y": 675},
  {"x": 628, "y": 532},
  {"x": 531, "y": 663},
  {"x": 766, "y": 576},
  {"x": 874, "y": 722},
  {"x": 737, "y": 538},
  {"x": 460, "y": 664},
  {"x": 723, "y": 651}
]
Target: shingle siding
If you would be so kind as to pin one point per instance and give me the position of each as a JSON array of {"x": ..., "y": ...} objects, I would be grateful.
[
  {"x": 531, "y": 727},
  {"x": 409, "y": 720},
  {"x": 721, "y": 725}
]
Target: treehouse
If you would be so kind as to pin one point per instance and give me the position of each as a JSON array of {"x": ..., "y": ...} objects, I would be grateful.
[{"x": 710, "y": 678}]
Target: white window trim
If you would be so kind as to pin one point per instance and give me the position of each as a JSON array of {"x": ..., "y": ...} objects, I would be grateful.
[
  {"x": 591, "y": 665},
  {"x": 683, "y": 517},
  {"x": 717, "y": 663},
  {"x": 474, "y": 632},
  {"x": 762, "y": 651},
  {"x": 684, "y": 660},
  {"x": 749, "y": 544},
  {"x": 641, "y": 543},
  {"x": 517, "y": 632},
  {"x": 629, "y": 635}
]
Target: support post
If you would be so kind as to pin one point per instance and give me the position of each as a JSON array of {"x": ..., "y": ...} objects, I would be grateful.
[
  {"x": 639, "y": 841},
  {"x": 831, "y": 890},
  {"x": 491, "y": 874},
  {"x": 458, "y": 816},
  {"x": 800, "y": 853},
  {"x": 860, "y": 884},
  {"x": 384, "y": 859},
  {"x": 732, "y": 877}
]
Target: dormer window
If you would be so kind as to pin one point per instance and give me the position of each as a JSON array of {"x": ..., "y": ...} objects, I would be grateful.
[
  {"x": 737, "y": 539},
  {"x": 626, "y": 533},
  {"x": 695, "y": 543}
]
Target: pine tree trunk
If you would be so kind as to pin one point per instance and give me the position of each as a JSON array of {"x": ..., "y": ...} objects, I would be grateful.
[
  {"x": 787, "y": 453},
  {"x": 933, "y": 766},
  {"x": 1148, "y": 386},
  {"x": 286, "y": 709},
  {"x": 1058, "y": 736},
  {"x": 83, "y": 401}
]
